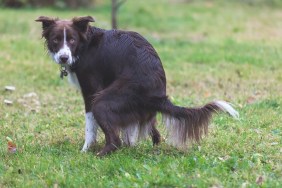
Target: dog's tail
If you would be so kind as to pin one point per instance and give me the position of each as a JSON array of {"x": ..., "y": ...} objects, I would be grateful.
[{"x": 185, "y": 124}]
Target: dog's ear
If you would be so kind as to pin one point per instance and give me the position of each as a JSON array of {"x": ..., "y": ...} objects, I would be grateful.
[
  {"x": 82, "y": 23},
  {"x": 46, "y": 21}
]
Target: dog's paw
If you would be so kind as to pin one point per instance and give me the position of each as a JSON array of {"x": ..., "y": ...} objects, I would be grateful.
[
  {"x": 87, "y": 146},
  {"x": 83, "y": 150}
]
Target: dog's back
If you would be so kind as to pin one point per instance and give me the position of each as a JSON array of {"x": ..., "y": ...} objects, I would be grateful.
[{"x": 114, "y": 54}]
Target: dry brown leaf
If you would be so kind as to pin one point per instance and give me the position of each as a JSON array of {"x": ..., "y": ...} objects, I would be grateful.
[
  {"x": 260, "y": 180},
  {"x": 251, "y": 100},
  {"x": 12, "y": 147}
]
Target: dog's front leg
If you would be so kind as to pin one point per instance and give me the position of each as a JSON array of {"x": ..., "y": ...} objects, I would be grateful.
[{"x": 91, "y": 127}]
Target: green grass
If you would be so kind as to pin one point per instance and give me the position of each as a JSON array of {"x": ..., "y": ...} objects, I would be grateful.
[{"x": 210, "y": 50}]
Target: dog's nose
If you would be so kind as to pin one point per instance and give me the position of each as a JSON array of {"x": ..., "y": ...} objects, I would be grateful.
[{"x": 64, "y": 58}]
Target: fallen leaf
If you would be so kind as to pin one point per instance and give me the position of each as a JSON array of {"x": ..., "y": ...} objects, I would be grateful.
[
  {"x": 259, "y": 180},
  {"x": 126, "y": 174},
  {"x": 257, "y": 131},
  {"x": 8, "y": 102},
  {"x": 251, "y": 100},
  {"x": 207, "y": 94},
  {"x": 10, "y": 88},
  {"x": 244, "y": 185},
  {"x": 30, "y": 95},
  {"x": 199, "y": 148},
  {"x": 12, "y": 147},
  {"x": 216, "y": 186},
  {"x": 224, "y": 158}
]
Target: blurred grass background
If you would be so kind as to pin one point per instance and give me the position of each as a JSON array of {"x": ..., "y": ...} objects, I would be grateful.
[{"x": 92, "y": 3}]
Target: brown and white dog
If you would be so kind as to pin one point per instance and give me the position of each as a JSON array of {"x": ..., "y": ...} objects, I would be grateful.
[{"x": 123, "y": 85}]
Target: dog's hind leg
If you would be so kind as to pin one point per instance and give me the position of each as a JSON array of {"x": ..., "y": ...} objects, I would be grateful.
[
  {"x": 155, "y": 134},
  {"x": 108, "y": 121},
  {"x": 113, "y": 141},
  {"x": 135, "y": 132}
]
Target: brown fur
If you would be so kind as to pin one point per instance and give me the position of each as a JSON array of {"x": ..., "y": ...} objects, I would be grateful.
[{"x": 123, "y": 84}]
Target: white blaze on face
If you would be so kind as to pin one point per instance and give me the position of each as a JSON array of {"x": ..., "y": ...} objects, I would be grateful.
[{"x": 64, "y": 51}]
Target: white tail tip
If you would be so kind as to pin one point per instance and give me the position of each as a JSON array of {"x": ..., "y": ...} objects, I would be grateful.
[{"x": 226, "y": 107}]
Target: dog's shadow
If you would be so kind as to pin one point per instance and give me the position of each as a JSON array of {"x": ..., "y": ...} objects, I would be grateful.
[{"x": 142, "y": 149}]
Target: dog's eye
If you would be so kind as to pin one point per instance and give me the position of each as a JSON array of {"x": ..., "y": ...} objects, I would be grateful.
[
  {"x": 72, "y": 41},
  {"x": 56, "y": 41}
]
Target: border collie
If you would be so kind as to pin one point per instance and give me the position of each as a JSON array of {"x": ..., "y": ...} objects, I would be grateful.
[{"x": 123, "y": 85}]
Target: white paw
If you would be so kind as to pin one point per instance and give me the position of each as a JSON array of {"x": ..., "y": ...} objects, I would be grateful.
[
  {"x": 84, "y": 150},
  {"x": 87, "y": 146}
]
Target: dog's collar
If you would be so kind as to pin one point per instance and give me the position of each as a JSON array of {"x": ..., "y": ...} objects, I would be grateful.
[
  {"x": 63, "y": 72},
  {"x": 65, "y": 69}
]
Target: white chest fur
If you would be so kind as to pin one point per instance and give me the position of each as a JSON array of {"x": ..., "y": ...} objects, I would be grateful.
[{"x": 73, "y": 80}]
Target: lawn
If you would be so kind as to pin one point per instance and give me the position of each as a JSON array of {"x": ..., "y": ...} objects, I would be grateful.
[{"x": 209, "y": 49}]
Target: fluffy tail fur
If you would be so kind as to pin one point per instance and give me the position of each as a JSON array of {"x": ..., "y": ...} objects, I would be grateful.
[{"x": 185, "y": 124}]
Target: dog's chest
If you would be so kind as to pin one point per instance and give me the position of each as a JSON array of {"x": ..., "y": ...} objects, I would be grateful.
[{"x": 73, "y": 80}]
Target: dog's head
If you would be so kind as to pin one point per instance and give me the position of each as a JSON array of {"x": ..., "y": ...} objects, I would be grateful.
[{"x": 64, "y": 37}]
